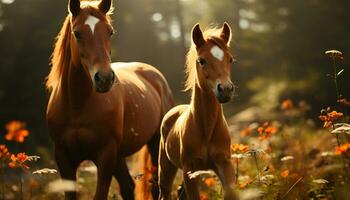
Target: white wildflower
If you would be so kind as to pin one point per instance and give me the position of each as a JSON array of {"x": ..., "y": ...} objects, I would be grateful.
[
  {"x": 327, "y": 153},
  {"x": 237, "y": 155},
  {"x": 285, "y": 158},
  {"x": 62, "y": 185},
  {"x": 45, "y": 171},
  {"x": 33, "y": 158},
  {"x": 195, "y": 174},
  {"x": 320, "y": 181},
  {"x": 250, "y": 194},
  {"x": 342, "y": 128}
]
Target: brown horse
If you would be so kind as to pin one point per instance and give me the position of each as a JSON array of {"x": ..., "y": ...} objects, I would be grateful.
[
  {"x": 98, "y": 110},
  {"x": 195, "y": 136}
]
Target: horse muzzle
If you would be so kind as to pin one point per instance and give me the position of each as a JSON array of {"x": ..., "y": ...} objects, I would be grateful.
[
  {"x": 224, "y": 92},
  {"x": 104, "y": 82}
]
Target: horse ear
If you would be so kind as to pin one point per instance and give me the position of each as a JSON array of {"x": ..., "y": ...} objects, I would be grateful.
[
  {"x": 226, "y": 33},
  {"x": 197, "y": 36},
  {"x": 74, "y": 7},
  {"x": 105, "y": 5}
]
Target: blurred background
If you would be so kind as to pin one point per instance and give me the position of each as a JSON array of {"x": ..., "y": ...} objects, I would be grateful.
[{"x": 279, "y": 45}]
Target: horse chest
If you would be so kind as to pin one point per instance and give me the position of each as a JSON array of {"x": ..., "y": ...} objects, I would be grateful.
[
  {"x": 82, "y": 130},
  {"x": 197, "y": 155},
  {"x": 79, "y": 137}
]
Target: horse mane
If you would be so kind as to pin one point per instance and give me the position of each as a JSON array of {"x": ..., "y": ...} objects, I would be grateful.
[
  {"x": 61, "y": 56},
  {"x": 211, "y": 34}
]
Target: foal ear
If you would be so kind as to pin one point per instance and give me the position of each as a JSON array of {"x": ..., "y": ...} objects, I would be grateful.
[
  {"x": 197, "y": 36},
  {"x": 105, "y": 5},
  {"x": 74, "y": 7},
  {"x": 226, "y": 33}
]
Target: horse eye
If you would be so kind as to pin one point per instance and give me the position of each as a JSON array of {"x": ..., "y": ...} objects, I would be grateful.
[
  {"x": 202, "y": 62},
  {"x": 77, "y": 35}
]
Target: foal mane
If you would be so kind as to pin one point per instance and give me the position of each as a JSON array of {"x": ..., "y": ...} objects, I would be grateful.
[
  {"x": 61, "y": 56},
  {"x": 211, "y": 34}
]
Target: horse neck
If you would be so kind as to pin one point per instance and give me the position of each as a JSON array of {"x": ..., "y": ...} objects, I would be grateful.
[
  {"x": 76, "y": 84},
  {"x": 206, "y": 110}
]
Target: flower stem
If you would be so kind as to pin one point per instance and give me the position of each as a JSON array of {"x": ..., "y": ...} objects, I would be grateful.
[
  {"x": 335, "y": 77},
  {"x": 344, "y": 160},
  {"x": 21, "y": 184},
  {"x": 257, "y": 166},
  {"x": 2, "y": 180},
  {"x": 237, "y": 170}
]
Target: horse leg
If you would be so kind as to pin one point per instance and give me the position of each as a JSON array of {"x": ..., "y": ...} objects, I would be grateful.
[
  {"x": 181, "y": 192},
  {"x": 224, "y": 169},
  {"x": 67, "y": 169},
  {"x": 191, "y": 185},
  {"x": 124, "y": 179},
  {"x": 105, "y": 163},
  {"x": 153, "y": 148},
  {"x": 167, "y": 172}
]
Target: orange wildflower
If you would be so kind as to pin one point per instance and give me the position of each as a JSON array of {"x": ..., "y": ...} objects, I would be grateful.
[
  {"x": 344, "y": 102},
  {"x": 330, "y": 117},
  {"x": 239, "y": 148},
  {"x": 342, "y": 149},
  {"x": 16, "y": 131},
  {"x": 209, "y": 182},
  {"x": 18, "y": 161},
  {"x": 266, "y": 130},
  {"x": 285, "y": 173},
  {"x": 4, "y": 152},
  {"x": 204, "y": 196},
  {"x": 287, "y": 104}
]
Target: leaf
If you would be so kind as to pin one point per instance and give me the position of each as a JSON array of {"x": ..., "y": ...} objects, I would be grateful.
[{"x": 340, "y": 72}]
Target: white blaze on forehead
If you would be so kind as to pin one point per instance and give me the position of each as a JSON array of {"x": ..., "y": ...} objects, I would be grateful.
[
  {"x": 217, "y": 53},
  {"x": 92, "y": 21}
]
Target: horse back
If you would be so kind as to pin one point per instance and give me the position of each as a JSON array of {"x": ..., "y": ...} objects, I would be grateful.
[{"x": 147, "y": 97}]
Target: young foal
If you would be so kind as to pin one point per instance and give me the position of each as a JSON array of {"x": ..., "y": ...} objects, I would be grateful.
[
  {"x": 97, "y": 110},
  {"x": 195, "y": 136}
]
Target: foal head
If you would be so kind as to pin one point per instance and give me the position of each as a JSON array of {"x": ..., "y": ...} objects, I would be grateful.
[
  {"x": 90, "y": 43},
  {"x": 213, "y": 62}
]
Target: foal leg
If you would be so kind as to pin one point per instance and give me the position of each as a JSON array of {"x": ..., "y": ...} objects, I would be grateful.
[
  {"x": 105, "y": 163},
  {"x": 191, "y": 185},
  {"x": 153, "y": 148},
  {"x": 124, "y": 179},
  {"x": 166, "y": 175},
  {"x": 224, "y": 169},
  {"x": 67, "y": 169}
]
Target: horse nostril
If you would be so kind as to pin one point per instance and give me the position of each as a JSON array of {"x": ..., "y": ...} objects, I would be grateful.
[
  {"x": 97, "y": 77},
  {"x": 220, "y": 88}
]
